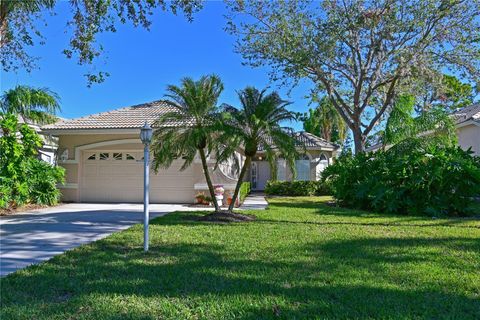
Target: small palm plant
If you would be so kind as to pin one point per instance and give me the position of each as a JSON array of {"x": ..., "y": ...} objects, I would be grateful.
[
  {"x": 35, "y": 104},
  {"x": 188, "y": 129},
  {"x": 258, "y": 125}
]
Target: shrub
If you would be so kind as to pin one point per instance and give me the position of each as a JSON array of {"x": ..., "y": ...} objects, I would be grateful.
[
  {"x": 23, "y": 177},
  {"x": 296, "y": 188},
  {"x": 416, "y": 176},
  {"x": 244, "y": 190}
]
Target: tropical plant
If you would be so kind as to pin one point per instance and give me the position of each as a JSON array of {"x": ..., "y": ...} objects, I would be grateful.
[
  {"x": 35, "y": 104},
  {"x": 23, "y": 177},
  {"x": 325, "y": 121},
  {"x": 401, "y": 125},
  {"x": 361, "y": 54},
  {"x": 416, "y": 176},
  {"x": 257, "y": 125},
  {"x": 190, "y": 128}
]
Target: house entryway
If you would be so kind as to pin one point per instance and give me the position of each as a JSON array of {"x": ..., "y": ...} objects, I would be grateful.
[{"x": 260, "y": 174}]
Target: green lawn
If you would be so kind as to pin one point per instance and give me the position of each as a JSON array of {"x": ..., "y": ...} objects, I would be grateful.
[{"x": 300, "y": 259}]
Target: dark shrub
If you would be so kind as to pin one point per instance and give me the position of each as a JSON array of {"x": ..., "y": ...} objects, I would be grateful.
[
  {"x": 296, "y": 188},
  {"x": 413, "y": 177}
]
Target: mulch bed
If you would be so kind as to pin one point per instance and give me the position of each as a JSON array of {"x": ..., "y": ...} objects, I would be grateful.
[
  {"x": 223, "y": 217},
  {"x": 28, "y": 207}
]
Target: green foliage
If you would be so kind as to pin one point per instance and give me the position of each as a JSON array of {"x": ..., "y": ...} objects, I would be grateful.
[
  {"x": 325, "y": 121},
  {"x": 190, "y": 128},
  {"x": 35, "y": 104},
  {"x": 259, "y": 124},
  {"x": 403, "y": 125},
  {"x": 43, "y": 180},
  {"x": 23, "y": 177},
  {"x": 361, "y": 54},
  {"x": 244, "y": 190},
  {"x": 88, "y": 19},
  {"x": 296, "y": 188},
  {"x": 416, "y": 176}
]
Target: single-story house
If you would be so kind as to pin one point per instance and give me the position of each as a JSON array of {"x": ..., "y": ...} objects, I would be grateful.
[
  {"x": 467, "y": 124},
  {"x": 103, "y": 157}
]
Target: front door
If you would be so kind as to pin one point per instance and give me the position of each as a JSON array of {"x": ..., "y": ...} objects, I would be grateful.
[{"x": 260, "y": 174}]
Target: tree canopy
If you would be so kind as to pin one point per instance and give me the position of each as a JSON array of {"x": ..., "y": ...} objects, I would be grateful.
[
  {"x": 361, "y": 54},
  {"x": 19, "y": 30}
]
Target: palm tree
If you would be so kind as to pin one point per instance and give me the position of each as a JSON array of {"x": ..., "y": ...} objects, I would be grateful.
[
  {"x": 188, "y": 129},
  {"x": 257, "y": 125},
  {"x": 35, "y": 104},
  {"x": 325, "y": 121}
]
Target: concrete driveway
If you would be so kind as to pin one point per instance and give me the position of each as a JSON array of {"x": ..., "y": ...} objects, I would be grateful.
[{"x": 32, "y": 237}]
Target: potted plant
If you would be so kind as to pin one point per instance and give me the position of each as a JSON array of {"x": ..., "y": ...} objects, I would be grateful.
[{"x": 200, "y": 198}]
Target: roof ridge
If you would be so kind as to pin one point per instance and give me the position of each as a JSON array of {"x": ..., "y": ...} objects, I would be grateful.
[{"x": 145, "y": 104}]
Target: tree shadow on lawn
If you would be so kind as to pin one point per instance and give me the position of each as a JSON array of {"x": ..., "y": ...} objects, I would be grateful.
[{"x": 334, "y": 279}]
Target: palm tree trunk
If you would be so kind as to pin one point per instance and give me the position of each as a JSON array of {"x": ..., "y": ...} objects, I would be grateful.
[
  {"x": 245, "y": 166},
  {"x": 207, "y": 178}
]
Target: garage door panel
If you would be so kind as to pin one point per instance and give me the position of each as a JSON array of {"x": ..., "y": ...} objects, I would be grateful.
[{"x": 121, "y": 180}]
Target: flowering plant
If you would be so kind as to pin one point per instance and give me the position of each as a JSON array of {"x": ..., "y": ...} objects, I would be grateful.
[{"x": 219, "y": 190}]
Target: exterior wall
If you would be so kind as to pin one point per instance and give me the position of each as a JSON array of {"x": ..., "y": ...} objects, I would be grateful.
[
  {"x": 469, "y": 136},
  {"x": 73, "y": 163},
  {"x": 314, "y": 156}
]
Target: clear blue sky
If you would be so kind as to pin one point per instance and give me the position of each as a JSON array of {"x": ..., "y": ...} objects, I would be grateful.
[{"x": 141, "y": 63}]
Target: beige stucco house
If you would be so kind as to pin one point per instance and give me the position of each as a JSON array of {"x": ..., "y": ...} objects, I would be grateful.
[
  {"x": 103, "y": 157},
  {"x": 467, "y": 121}
]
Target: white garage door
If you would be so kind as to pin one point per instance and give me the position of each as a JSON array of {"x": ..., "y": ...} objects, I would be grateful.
[{"x": 117, "y": 176}]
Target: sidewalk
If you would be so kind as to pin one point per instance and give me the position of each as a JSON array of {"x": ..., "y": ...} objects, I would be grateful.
[{"x": 254, "y": 201}]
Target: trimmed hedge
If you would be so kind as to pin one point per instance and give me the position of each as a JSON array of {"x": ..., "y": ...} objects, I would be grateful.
[
  {"x": 296, "y": 188},
  {"x": 244, "y": 190}
]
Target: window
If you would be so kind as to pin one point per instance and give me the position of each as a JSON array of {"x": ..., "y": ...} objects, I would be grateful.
[
  {"x": 104, "y": 156},
  {"x": 302, "y": 166},
  {"x": 281, "y": 169},
  {"x": 322, "y": 164},
  {"x": 128, "y": 156},
  {"x": 117, "y": 156},
  {"x": 91, "y": 157}
]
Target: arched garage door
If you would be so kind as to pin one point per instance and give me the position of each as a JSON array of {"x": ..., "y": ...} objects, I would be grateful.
[{"x": 117, "y": 176}]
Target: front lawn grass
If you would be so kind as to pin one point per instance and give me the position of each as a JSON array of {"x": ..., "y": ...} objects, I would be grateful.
[{"x": 300, "y": 260}]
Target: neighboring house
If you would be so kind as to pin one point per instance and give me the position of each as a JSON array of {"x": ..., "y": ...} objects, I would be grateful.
[
  {"x": 103, "y": 156},
  {"x": 467, "y": 124}
]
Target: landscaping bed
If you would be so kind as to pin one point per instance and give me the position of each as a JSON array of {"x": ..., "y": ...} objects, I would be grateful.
[{"x": 300, "y": 259}]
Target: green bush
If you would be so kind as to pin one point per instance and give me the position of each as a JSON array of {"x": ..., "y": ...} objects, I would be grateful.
[
  {"x": 244, "y": 190},
  {"x": 23, "y": 177},
  {"x": 296, "y": 188},
  {"x": 415, "y": 176}
]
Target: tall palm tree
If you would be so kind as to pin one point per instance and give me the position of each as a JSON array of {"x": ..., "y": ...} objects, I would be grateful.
[
  {"x": 258, "y": 124},
  {"x": 325, "y": 121},
  {"x": 34, "y": 104},
  {"x": 188, "y": 129}
]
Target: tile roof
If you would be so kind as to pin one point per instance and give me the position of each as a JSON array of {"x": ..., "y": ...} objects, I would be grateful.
[
  {"x": 467, "y": 113},
  {"x": 124, "y": 118},
  {"x": 134, "y": 117},
  {"x": 309, "y": 140}
]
